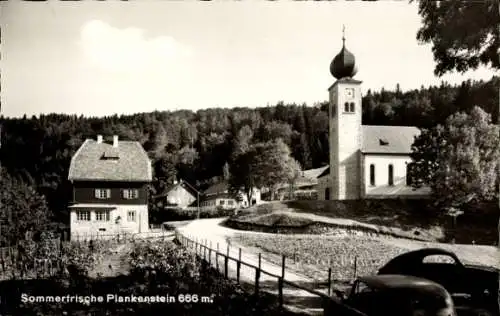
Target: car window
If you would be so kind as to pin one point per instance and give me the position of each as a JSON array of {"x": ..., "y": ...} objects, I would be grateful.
[{"x": 438, "y": 259}]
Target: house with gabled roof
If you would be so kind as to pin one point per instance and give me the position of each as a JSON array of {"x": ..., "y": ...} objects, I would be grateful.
[
  {"x": 178, "y": 194},
  {"x": 110, "y": 188}
]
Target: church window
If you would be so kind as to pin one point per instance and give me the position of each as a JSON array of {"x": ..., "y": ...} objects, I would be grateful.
[
  {"x": 391, "y": 174},
  {"x": 349, "y": 107},
  {"x": 372, "y": 174}
]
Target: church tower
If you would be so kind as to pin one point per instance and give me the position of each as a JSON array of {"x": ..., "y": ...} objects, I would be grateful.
[{"x": 345, "y": 128}]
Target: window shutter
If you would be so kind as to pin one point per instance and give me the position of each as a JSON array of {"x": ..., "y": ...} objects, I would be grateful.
[
  {"x": 108, "y": 193},
  {"x": 124, "y": 194},
  {"x": 96, "y": 193}
]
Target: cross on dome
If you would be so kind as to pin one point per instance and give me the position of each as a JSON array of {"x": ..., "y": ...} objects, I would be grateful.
[{"x": 343, "y": 65}]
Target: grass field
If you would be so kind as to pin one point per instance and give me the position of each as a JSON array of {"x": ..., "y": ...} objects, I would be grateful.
[
  {"x": 414, "y": 219},
  {"x": 313, "y": 255},
  {"x": 350, "y": 256}
]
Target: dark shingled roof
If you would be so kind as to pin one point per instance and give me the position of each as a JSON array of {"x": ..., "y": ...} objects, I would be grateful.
[
  {"x": 388, "y": 139},
  {"x": 94, "y": 161},
  {"x": 221, "y": 187}
]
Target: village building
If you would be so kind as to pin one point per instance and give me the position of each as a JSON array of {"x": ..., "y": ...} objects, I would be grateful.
[
  {"x": 179, "y": 194},
  {"x": 218, "y": 195},
  {"x": 305, "y": 187},
  {"x": 110, "y": 188},
  {"x": 365, "y": 161}
]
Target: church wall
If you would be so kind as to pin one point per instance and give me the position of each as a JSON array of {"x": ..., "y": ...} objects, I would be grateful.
[
  {"x": 323, "y": 183},
  {"x": 382, "y": 187}
]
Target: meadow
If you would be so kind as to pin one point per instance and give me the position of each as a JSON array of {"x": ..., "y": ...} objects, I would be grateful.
[{"x": 348, "y": 256}]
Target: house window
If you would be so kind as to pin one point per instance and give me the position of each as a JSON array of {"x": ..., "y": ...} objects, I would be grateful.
[
  {"x": 130, "y": 194},
  {"x": 372, "y": 175},
  {"x": 222, "y": 202},
  {"x": 102, "y": 216},
  {"x": 351, "y": 107},
  {"x": 391, "y": 174},
  {"x": 83, "y": 215},
  {"x": 230, "y": 202},
  {"x": 346, "y": 107},
  {"x": 102, "y": 193},
  {"x": 131, "y": 216}
]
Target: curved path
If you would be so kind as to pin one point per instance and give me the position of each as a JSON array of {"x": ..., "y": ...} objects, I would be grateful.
[{"x": 209, "y": 231}]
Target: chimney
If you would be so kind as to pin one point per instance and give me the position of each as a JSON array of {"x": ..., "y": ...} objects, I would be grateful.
[
  {"x": 99, "y": 139},
  {"x": 115, "y": 140}
]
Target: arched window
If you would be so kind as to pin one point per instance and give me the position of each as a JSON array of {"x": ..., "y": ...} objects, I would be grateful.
[
  {"x": 346, "y": 107},
  {"x": 372, "y": 175},
  {"x": 351, "y": 107},
  {"x": 391, "y": 174}
]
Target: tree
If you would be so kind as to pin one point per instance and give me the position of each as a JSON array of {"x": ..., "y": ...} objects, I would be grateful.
[
  {"x": 225, "y": 171},
  {"x": 458, "y": 160},
  {"x": 293, "y": 173},
  {"x": 23, "y": 210},
  {"x": 274, "y": 165},
  {"x": 266, "y": 164},
  {"x": 243, "y": 176},
  {"x": 464, "y": 34}
]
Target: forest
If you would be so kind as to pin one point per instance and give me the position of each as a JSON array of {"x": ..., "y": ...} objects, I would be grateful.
[{"x": 195, "y": 146}]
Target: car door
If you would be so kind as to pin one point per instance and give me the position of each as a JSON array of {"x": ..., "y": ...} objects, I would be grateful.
[{"x": 363, "y": 298}]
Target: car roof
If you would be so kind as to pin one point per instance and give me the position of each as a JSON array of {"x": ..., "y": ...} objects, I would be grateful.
[{"x": 404, "y": 282}]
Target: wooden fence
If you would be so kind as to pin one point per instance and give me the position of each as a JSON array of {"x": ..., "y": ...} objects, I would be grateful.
[{"x": 330, "y": 305}]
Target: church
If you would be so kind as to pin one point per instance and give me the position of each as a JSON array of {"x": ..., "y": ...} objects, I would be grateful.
[{"x": 366, "y": 161}]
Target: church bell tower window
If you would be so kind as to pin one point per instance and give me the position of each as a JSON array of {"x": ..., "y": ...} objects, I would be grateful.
[{"x": 349, "y": 107}]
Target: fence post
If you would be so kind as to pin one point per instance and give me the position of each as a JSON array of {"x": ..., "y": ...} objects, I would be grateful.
[
  {"x": 283, "y": 267},
  {"x": 259, "y": 260},
  {"x": 238, "y": 266},
  {"x": 210, "y": 254},
  {"x": 280, "y": 291},
  {"x": 217, "y": 257},
  {"x": 226, "y": 259},
  {"x": 205, "y": 250},
  {"x": 257, "y": 277},
  {"x": 355, "y": 266},
  {"x": 329, "y": 281}
]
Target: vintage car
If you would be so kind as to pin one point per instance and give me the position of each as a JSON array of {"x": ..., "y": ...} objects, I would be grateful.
[
  {"x": 397, "y": 295},
  {"x": 471, "y": 286}
]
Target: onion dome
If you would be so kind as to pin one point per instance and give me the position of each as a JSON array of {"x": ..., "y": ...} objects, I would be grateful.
[{"x": 343, "y": 65}]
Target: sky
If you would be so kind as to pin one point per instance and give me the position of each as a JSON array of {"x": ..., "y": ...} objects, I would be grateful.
[{"x": 100, "y": 58}]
